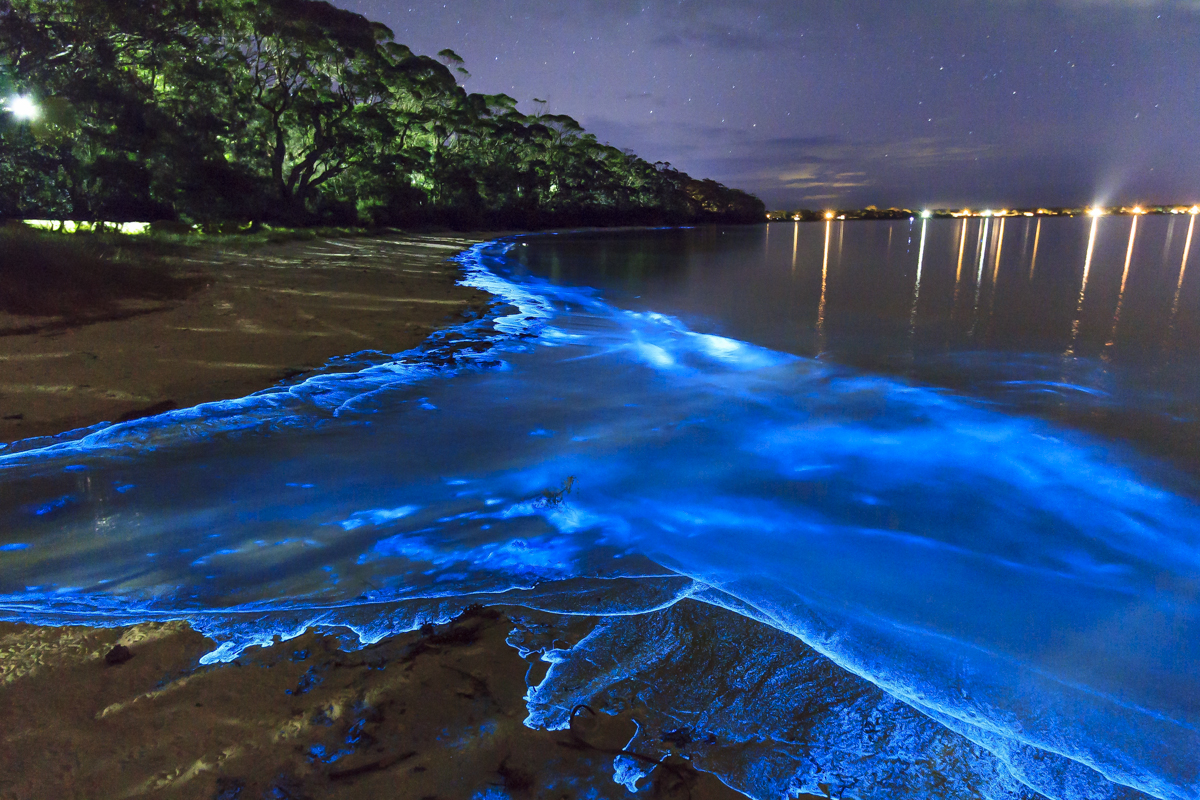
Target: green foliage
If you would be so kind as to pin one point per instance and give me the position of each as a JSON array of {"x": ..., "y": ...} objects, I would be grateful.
[{"x": 294, "y": 112}]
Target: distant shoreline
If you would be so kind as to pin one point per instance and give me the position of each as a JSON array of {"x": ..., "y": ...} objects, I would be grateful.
[{"x": 872, "y": 213}]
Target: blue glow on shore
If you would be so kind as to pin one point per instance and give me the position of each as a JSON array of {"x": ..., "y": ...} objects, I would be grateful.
[{"x": 1021, "y": 595}]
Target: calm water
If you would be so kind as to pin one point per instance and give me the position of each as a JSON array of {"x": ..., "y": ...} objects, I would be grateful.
[
  {"x": 908, "y": 510},
  {"x": 1092, "y": 323}
]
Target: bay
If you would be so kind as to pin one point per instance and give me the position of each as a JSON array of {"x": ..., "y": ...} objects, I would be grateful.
[{"x": 949, "y": 528}]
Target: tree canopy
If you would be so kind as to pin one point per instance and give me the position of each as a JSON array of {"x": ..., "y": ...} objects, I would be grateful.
[{"x": 296, "y": 112}]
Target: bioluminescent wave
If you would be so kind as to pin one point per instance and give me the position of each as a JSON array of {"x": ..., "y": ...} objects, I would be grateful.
[{"x": 1011, "y": 601}]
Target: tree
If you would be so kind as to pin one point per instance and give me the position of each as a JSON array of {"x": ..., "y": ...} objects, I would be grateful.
[{"x": 295, "y": 110}]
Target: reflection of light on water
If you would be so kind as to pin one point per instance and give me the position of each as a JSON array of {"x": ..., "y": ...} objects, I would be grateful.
[
  {"x": 1037, "y": 236},
  {"x": 795, "y": 245},
  {"x": 996, "y": 271},
  {"x": 1129, "y": 254},
  {"x": 999, "y": 250},
  {"x": 983, "y": 249},
  {"x": 1124, "y": 277},
  {"x": 962, "y": 249},
  {"x": 824, "y": 282},
  {"x": 1167, "y": 244},
  {"x": 1187, "y": 249},
  {"x": 1087, "y": 268},
  {"x": 912, "y": 318}
]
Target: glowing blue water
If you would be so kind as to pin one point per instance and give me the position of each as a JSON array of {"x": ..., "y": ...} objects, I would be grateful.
[{"x": 1030, "y": 591}]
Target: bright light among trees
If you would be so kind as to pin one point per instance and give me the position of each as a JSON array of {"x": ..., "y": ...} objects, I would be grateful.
[{"x": 23, "y": 108}]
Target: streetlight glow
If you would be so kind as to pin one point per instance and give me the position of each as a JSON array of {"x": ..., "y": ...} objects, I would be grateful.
[
  {"x": 22, "y": 107},
  {"x": 926, "y": 214},
  {"x": 828, "y": 215},
  {"x": 1096, "y": 212}
]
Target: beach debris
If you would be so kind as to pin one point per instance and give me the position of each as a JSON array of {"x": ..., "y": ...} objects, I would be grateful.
[
  {"x": 556, "y": 498},
  {"x": 118, "y": 656}
]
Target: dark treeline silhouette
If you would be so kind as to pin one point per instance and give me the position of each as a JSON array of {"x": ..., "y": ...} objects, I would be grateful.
[{"x": 294, "y": 112}]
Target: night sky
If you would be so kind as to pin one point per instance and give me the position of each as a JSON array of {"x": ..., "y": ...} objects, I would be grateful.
[{"x": 812, "y": 103}]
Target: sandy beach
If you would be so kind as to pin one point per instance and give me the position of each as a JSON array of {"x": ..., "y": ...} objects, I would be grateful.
[{"x": 258, "y": 314}]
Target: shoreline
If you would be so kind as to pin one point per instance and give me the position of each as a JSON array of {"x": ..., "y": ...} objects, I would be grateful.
[{"x": 261, "y": 315}]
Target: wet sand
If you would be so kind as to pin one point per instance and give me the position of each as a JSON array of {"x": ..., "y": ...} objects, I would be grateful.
[
  {"x": 436, "y": 713},
  {"x": 259, "y": 315}
]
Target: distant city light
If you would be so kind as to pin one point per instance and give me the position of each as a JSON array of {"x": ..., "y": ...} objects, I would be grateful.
[
  {"x": 1138, "y": 210},
  {"x": 22, "y": 107},
  {"x": 987, "y": 213},
  {"x": 1095, "y": 212},
  {"x": 829, "y": 215},
  {"x": 1194, "y": 210},
  {"x": 926, "y": 214}
]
